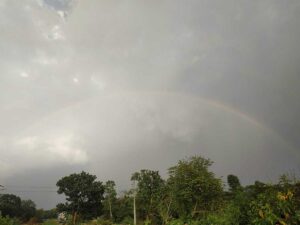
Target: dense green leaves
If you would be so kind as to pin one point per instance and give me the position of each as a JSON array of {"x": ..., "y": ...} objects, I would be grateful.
[
  {"x": 191, "y": 194},
  {"x": 110, "y": 196},
  {"x": 149, "y": 193},
  {"x": 194, "y": 188},
  {"x": 83, "y": 194},
  {"x": 124, "y": 209},
  {"x": 8, "y": 221},
  {"x": 14, "y": 207},
  {"x": 10, "y": 205},
  {"x": 233, "y": 183},
  {"x": 28, "y": 209}
]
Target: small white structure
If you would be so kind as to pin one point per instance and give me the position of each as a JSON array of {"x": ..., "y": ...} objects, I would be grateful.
[{"x": 62, "y": 217}]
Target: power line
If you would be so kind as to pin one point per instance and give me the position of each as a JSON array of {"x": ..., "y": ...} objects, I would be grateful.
[
  {"x": 27, "y": 189},
  {"x": 25, "y": 186}
]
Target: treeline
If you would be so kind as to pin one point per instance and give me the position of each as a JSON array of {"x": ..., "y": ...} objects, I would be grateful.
[
  {"x": 192, "y": 194},
  {"x": 21, "y": 211}
]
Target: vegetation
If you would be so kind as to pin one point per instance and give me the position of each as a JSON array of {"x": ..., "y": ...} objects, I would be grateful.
[
  {"x": 195, "y": 190},
  {"x": 84, "y": 195},
  {"x": 110, "y": 196},
  {"x": 148, "y": 193},
  {"x": 191, "y": 194},
  {"x": 11, "y": 206},
  {"x": 8, "y": 221}
]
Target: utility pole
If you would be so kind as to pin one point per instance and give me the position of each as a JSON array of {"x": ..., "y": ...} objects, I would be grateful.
[
  {"x": 134, "y": 178},
  {"x": 1, "y": 189},
  {"x": 134, "y": 206}
]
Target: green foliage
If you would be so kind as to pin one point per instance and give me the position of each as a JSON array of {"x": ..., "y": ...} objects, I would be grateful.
[
  {"x": 51, "y": 222},
  {"x": 183, "y": 222},
  {"x": 233, "y": 183},
  {"x": 127, "y": 220},
  {"x": 84, "y": 194},
  {"x": 28, "y": 209},
  {"x": 8, "y": 221},
  {"x": 176, "y": 222},
  {"x": 194, "y": 188},
  {"x": 10, "y": 205},
  {"x": 123, "y": 208},
  {"x": 149, "y": 190},
  {"x": 164, "y": 206},
  {"x": 100, "y": 222},
  {"x": 110, "y": 196},
  {"x": 268, "y": 204},
  {"x": 191, "y": 195},
  {"x": 274, "y": 207},
  {"x": 228, "y": 216},
  {"x": 42, "y": 214}
]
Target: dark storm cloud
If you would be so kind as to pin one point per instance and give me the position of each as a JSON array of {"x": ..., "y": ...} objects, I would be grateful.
[{"x": 112, "y": 87}]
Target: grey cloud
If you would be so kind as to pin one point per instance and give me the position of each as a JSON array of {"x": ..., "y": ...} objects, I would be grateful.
[{"x": 112, "y": 87}]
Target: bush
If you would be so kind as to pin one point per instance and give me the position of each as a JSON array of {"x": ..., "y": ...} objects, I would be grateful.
[
  {"x": 8, "y": 221},
  {"x": 228, "y": 216},
  {"x": 127, "y": 220},
  {"x": 100, "y": 222},
  {"x": 176, "y": 222},
  {"x": 51, "y": 222},
  {"x": 275, "y": 208},
  {"x": 33, "y": 221},
  {"x": 183, "y": 222}
]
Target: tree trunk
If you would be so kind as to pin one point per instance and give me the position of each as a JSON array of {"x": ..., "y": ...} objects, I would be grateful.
[
  {"x": 195, "y": 210},
  {"x": 168, "y": 210},
  {"x": 110, "y": 211},
  {"x": 134, "y": 210},
  {"x": 74, "y": 218}
]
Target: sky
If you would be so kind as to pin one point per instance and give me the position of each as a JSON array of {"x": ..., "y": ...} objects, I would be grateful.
[{"x": 112, "y": 87}]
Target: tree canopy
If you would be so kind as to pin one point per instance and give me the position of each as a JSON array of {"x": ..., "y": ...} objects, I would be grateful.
[
  {"x": 83, "y": 194},
  {"x": 149, "y": 190},
  {"x": 195, "y": 189},
  {"x": 233, "y": 183},
  {"x": 13, "y": 206},
  {"x": 110, "y": 196},
  {"x": 10, "y": 205},
  {"x": 190, "y": 194}
]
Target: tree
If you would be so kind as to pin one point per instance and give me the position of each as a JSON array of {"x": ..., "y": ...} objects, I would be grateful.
[
  {"x": 234, "y": 183},
  {"x": 124, "y": 205},
  {"x": 28, "y": 209},
  {"x": 149, "y": 189},
  {"x": 165, "y": 203},
  {"x": 7, "y": 221},
  {"x": 83, "y": 194},
  {"x": 10, "y": 205},
  {"x": 43, "y": 215},
  {"x": 195, "y": 189},
  {"x": 109, "y": 196}
]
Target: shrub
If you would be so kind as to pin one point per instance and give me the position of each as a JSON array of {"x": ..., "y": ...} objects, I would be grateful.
[
  {"x": 51, "y": 222},
  {"x": 275, "y": 208},
  {"x": 100, "y": 222},
  {"x": 33, "y": 221},
  {"x": 127, "y": 220},
  {"x": 228, "y": 216},
  {"x": 8, "y": 221},
  {"x": 183, "y": 222}
]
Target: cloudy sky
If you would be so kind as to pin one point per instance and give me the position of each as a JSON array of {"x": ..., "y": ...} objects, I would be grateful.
[{"x": 112, "y": 87}]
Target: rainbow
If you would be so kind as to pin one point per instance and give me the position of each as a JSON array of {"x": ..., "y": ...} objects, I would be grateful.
[{"x": 206, "y": 101}]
